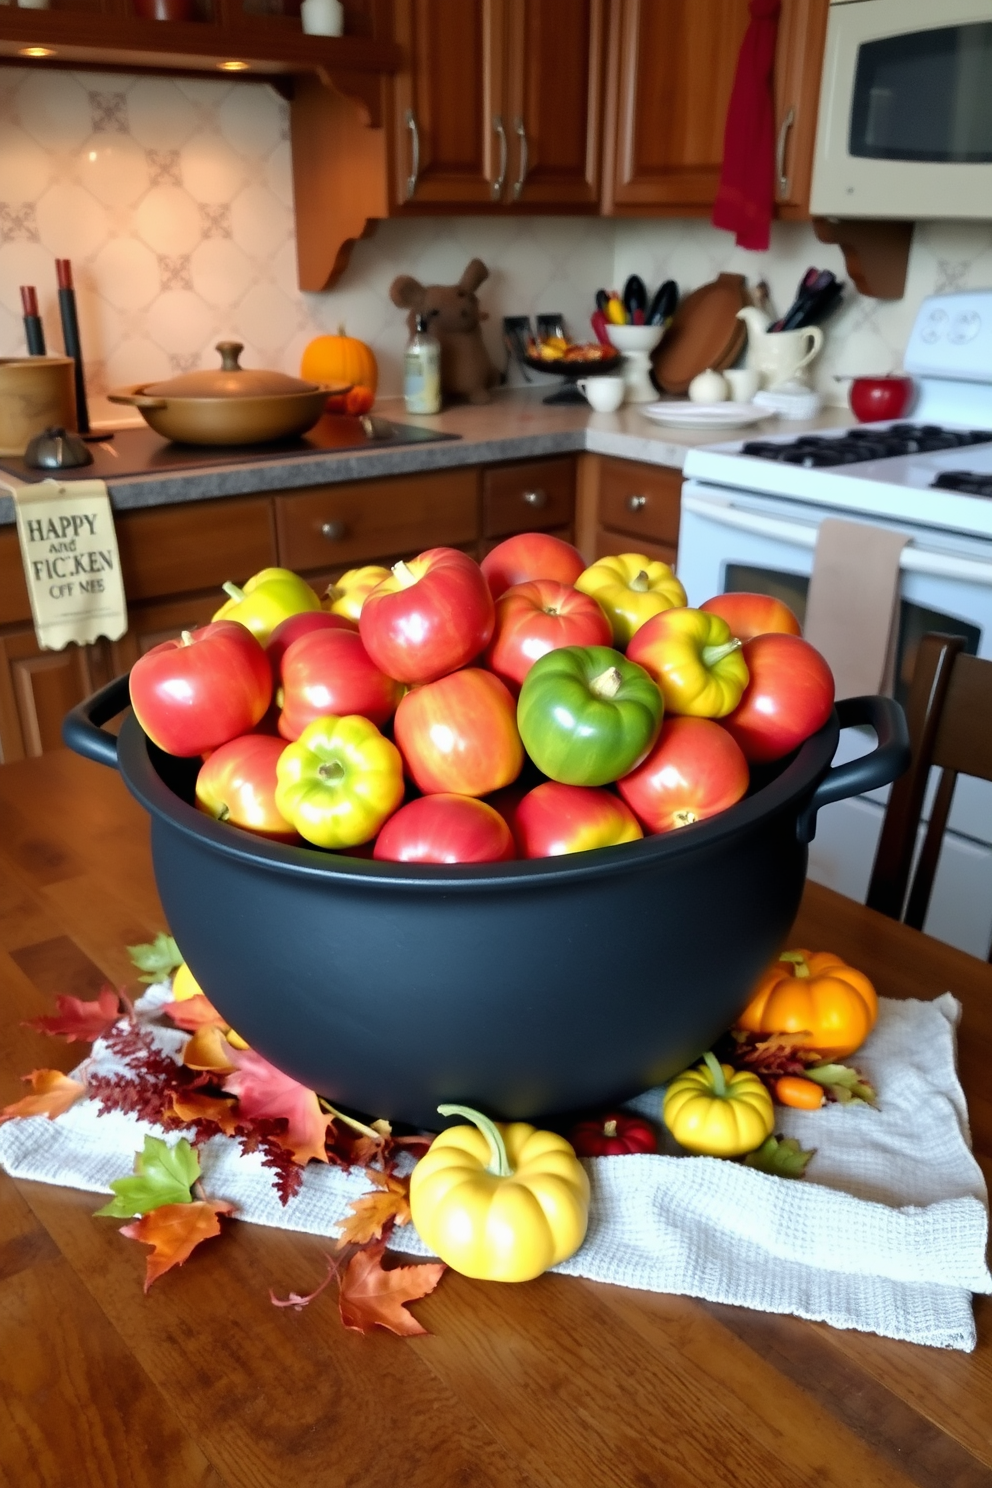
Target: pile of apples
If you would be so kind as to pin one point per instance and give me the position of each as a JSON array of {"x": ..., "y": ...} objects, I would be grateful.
[{"x": 449, "y": 712}]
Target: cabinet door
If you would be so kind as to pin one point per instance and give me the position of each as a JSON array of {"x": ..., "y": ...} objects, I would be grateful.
[
  {"x": 37, "y": 689},
  {"x": 451, "y": 141},
  {"x": 802, "y": 30},
  {"x": 554, "y": 93},
  {"x": 149, "y": 625},
  {"x": 672, "y": 66}
]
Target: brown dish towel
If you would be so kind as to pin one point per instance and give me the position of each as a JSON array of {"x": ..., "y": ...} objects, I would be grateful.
[{"x": 852, "y": 609}]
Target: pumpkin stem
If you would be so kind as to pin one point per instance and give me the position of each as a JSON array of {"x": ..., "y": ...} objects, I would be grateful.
[
  {"x": 341, "y": 329},
  {"x": 359, "y": 1126},
  {"x": 499, "y": 1162},
  {"x": 712, "y": 654},
  {"x": 607, "y": 684},
  {"x": 404, "y": 575},
  {"x": 186, "y": 638},
  {"x": 798, "y": 962},
  {"x": 609, "y": 1129},
  {"x": 640, "y": 583},
  {"x": 232, "y": 591},
  {"x": 716, "y": 1074}
]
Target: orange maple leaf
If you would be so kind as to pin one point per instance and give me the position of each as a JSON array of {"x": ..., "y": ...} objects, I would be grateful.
[
  {"x": 193, "y": 1013},
  {"x": 81, "y": 1020},
  {"x": 370, "y": 1297},
  {"x": 373, "y": 1211},
  {"x": 208, "y": 1049},
  {"x": 265, "y": 1092},
  {"x": 194, "y": 1106},
  {"x": 54, "y": 1093},
  {"x": 174, "y": 1231}
]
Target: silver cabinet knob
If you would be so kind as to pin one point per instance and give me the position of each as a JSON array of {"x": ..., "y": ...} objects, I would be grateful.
[
  {"x": 334, "y": 530},
  {"x": 536, "y": 499},
  {"x": 636, "y": 503}
]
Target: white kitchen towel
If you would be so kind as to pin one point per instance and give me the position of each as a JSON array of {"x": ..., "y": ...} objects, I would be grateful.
[{"x": 887, "y": 1234}]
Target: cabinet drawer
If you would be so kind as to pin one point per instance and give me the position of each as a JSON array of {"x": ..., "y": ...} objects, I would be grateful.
[
  {"x": 176, "y": 549},
  {"x": 640, "y": 498},
  {"x": 346, "y": 524},
  {"x": 609, "y": 544},
  {"x": 14, "y": 602},
  {"x": 531, "y": 496}
]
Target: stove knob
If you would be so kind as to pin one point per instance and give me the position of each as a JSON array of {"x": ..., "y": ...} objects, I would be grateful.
[
  {"x": 934, "y": 327},
  {"x": 965, "y": 327}
]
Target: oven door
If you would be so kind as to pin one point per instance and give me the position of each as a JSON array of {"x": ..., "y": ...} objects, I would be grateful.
[
  {"x": 736, "y": 541},
  {"x": 905, "y": 119}
]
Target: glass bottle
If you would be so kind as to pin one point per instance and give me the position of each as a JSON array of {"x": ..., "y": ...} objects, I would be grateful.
[{"x": 422, "y": 371}]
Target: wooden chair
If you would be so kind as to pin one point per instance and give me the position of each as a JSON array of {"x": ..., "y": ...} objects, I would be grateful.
[{"x": 949, "y": 712}]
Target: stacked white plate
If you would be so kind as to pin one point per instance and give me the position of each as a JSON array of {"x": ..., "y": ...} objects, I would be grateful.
[{"x": 686, "y": 415}]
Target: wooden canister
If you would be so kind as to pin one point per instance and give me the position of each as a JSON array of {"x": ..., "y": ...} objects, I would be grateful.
[{"x": 35, "y": 394}]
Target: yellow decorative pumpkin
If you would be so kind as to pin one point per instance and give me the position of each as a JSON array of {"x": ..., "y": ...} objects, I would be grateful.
[{"x": 340, "y": 358}]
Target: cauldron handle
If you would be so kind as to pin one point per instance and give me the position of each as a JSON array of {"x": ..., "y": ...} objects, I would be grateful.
[
  {"x": 81, "y": 729},
  {"x": 885, "y": 763}
]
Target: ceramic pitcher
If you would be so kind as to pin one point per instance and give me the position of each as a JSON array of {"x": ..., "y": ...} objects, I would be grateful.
[{"x": 778, "y": 355}]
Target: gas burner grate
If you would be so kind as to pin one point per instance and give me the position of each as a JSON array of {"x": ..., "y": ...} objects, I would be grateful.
[
  {"x": 967, "y": 481},
  {"x": 820, "y": 451}
]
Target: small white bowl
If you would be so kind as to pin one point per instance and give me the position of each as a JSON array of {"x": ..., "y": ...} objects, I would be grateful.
[{"x": 635, "y": 338}]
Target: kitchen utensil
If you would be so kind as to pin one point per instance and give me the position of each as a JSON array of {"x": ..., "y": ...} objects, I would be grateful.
[
  {"x": 681, "y": 415},
  {"x": 704, "y": 333},
  {"x": 874, "y": 398},
  {"x": 743, "y": 382},
  {"x": 708, "y": 387},
  {"x": 664, "y": 304},
  {"x": 635, "y": 297},
  {"x": 233, "y": 405},
  {"x": 35, "y": 392},
  {"x": 605, "y": 394},
  {"x": 322, "y": 17},
  {"x": 70, "y": 338},
  {"x": 392, "y": 987},
  {"x": 34, "y": 331},
  {"x": 54, "y": 449},
  {"x": 819, "y": 294},
  {"x": 637, "y": 343},
  {"x": 599, "y": 325}
]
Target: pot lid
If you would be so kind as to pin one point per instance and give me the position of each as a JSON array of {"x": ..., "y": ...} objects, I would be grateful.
[{"x": 229, "y": 380}]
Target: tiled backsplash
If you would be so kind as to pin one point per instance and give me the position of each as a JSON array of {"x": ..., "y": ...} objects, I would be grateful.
[{"x": 173, "y": 198}]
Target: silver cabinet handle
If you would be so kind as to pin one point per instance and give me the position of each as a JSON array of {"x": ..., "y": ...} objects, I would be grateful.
[
  {"x": 636, "y": 503},
  {"x": 783, "y": 135},
  {"x": 414, "y": 176},
  {"x": 334, "y": 530},
  {"x": 518, "y": 185},
  {"x": 501, "y": 132},
  {"x": 536, "y": 499}
]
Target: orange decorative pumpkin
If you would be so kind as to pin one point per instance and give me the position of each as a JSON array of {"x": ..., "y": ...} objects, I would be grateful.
[
  {"x": 341, "y": 358},
  {"x": 828, "y": 1005}
]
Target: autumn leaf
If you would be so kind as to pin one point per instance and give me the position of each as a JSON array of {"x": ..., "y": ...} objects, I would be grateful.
[
  {"x": 266, "y": 1093},
  {"x": 782, "y": 1157},
  {"x": 295, "y": 1300},
  {"x": 369, "y": 1296},
  {"x": 174, "y": 1231},
  {"x": 194, "y": 1013},
  {"x": 195, "y": 1106},
  {"x": 158, "y": 957},
  {"x": 164, "y": 1175},
  {"x": 844, "y": 1084},
  {"x": 80, "y": 1020},
  {"x": 54, "y": 1093},
  {"x": 372, "y": 1212},
  {"x": 208, "y": 1049}
]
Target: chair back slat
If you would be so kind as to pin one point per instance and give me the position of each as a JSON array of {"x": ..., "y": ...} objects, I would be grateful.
[
  {"x": 964, "y": 737},
  {"x": 926, "y": 869}
]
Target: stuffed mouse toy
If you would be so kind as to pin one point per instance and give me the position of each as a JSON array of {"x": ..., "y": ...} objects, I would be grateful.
[{"x": 453, "y": 315}]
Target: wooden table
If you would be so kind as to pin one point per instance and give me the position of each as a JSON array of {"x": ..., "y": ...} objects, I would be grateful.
[{"x": 559, "y": 1383}]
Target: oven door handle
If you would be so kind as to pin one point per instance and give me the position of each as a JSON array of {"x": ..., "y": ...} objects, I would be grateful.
[{"x": 802, "y": 535}]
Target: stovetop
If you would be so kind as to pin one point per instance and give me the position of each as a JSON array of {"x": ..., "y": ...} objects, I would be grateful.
[
  {"x": 971, "y": 482},
  {"x": 870, "y": 442},
  {"x": 143, "y": 452}
]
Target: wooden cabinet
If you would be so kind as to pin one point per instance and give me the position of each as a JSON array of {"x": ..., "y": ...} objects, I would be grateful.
[
  {"x": 802, "y": 30},
  {"x": 534, "y": 495},
  {"x": 637, "y": 509},
  {"x": 37, "y": 689}
]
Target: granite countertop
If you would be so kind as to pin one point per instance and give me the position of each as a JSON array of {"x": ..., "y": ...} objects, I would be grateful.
[{"x": 516, "y": 425}]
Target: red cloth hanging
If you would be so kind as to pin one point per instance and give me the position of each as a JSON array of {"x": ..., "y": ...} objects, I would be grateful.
[{"x": 745, "y": 198}]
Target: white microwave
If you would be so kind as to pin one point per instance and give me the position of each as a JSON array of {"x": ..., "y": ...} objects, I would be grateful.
[{"x": 905, "y": 119}]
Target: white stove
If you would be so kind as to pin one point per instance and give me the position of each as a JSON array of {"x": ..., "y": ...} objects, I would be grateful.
[{"x": 751, "y": 510}]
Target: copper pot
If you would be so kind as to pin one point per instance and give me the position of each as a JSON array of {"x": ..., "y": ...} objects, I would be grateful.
[
  {"x": 35, "y": 393},
  {"x": 233, "y": 405}
]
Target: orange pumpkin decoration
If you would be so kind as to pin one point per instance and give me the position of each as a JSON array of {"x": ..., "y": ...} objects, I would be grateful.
[
  {"x": 341, "y": 358},
  {"x": 826, "y": 1004}
]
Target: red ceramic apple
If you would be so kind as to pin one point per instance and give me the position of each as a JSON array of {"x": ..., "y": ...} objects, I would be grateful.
[
  {"x": 445, "y": 829},
  {"x": 531, "y": 555},
  {"x": 429, "y": 617},
  {"x": 459, "y": 734},
  {"x": 690, "y": 774},
  {"x": 330, "y": 673},
  {"x": 749, "y": 615},
  {"x": 295, "y": 626},
  {"x": 554, "y": 819},
  {"x": 237, "y": 784},
  {"x": 195, "y": 693},
  {"x": 541, "y": 616},
  {"x": 875, "y": 398},
  {"x": 789, "y": 696}
]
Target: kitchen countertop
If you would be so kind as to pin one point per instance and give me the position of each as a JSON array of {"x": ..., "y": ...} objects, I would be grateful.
[
  {"x": 517, "y": 425},
  {"x": 556, "y": 1383}
]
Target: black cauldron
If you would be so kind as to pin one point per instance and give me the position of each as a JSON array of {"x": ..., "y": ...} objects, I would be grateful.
[{"x": 523, "y": 988}]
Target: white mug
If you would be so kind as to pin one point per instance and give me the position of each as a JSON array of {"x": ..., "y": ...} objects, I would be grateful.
[
  {"x": 744, "y": 383},
  {"x": 605, "y": 394},
  {"x": 782, "y": 354},
  {"x": 322, "y": 17}
]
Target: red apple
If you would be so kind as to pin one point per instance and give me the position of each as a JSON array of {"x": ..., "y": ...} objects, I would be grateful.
[
  {"x": 694, "y": 771},
  {"x": 874, "y": 398},
  {"x": 537, "y": 617},
  {"x": 329, "y": 672},
  {"x": 553, "y": 819},
  {"x": 295, "y": 626},
  {"x": 459, "y": 734},
  {"x": 531, "y": 555},
  {"x": 238, "y": 785},
  {"x": 431, "y": 616},
  {"x": 789, "y": 697},
  {"x": 445, "y": 829},
  {"x": 749, "y": 615},
  {"x": 197, "y": 692}
]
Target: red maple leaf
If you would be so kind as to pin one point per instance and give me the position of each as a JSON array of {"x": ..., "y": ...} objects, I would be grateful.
[
  {"x": 174, "y": 1231},
  {"x": 54, "y": 1093},
  {"x": 265, "y": 1092},
  {"x": 81, "y": 1020},
  {"x": 193, "y": 1013},
  {"x": 369, "y": 1296}
]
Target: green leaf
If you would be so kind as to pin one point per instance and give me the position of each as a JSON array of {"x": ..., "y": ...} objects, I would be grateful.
[
  {"x": 843, "y": 1084},
  {"x": 782, "y": 1157},
  {"x": 158, "y": 957},
  {"x": 163, "y": 1175}
]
